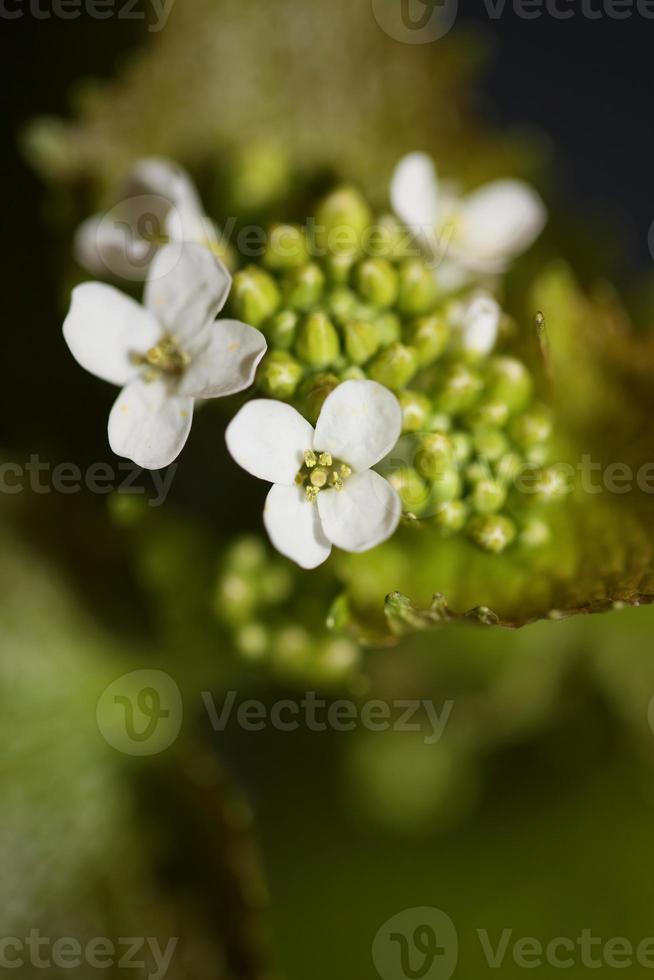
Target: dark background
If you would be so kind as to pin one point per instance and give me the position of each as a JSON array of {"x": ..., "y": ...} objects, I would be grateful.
[{"x": 588, "y": 84}]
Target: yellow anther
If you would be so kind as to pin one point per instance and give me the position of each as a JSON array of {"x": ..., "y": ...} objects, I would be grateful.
[
  {"x": 318, "y": 477},
  {"x": 335, "y": 481},
  {"x": 310, "y": 459},
  {"x": 325, "y": 459},
  {"x": 345, "y": 470},
  {"x": 312, "y": 493}
]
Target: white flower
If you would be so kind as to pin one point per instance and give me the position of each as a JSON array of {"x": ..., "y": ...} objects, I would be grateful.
[
  {"x": 158, "y": 204},
  {"x": 476, "y": 320},
  {"x": 481, "y": 232},
  {"x": 324, "y": 491},
  {"x": 167, "y": 353}
]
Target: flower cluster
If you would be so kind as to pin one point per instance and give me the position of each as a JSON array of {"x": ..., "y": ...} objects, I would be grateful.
[{"x": 384, "y": 393}]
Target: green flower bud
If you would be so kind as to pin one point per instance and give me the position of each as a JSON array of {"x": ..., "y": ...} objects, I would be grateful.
[
  {"x": 462, "y": 446},
  {"x": 492, "y": 532},
  {"x": 342, "y": 303},
  {"x": 416, "y": 409},
  {"x": 389, "y": 328},
  {"x": 286, "y": 248},
  {"x": 255, "y": 295},
  {"x": 508, "y": 468},
  {"x": 491, "y": 444},
  {"x": 438, "y": 422},
  {"x": 342, "y": 219},
  {"x": 388, "y": 239},
  {"x": 549, "y": 485},
  {"x": 446, "y": 485},
  {"x": 459, "y": 389},
  {"x": 538, "y": 455},
  {"x": 532, "y": 427},
  {"x": 313, "y": 392},
  {"x": 488, "y": 415},
  {"x": 434, "y": 455},
  {"x": 280, "y": 329},
  {"x": 317, "y": 341},
  {"x": 303, "y": 287},
  {"x": 477, "y": 471},
  {"x": 413, "y": 491},
  {"x": 418, "y": 292},
  {"x": 252, "y": 641},
  {"x": 488, "y": 496},
  {"x": 451, "y": 516},
  {"x": 508, "y": 381},
  {"x": 339, "y": 267},
  {"x": 534, "y": 533},
  {"x": 353, "y": 373},
  {"x": 361, "y": 341},
  {"x": 279, "y": 374},
  {"x": 429, "y": 335},
  {"x": 394, "y": 366},
  {"x": 377, "y": 282}
]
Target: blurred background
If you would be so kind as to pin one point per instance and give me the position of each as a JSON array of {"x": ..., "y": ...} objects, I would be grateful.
[{"x": 277, "y": 853}]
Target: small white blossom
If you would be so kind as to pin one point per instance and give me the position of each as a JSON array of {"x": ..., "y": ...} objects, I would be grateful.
[
  {"x": 166, "y": 353},
  {"x": 476, "y": 322},
  {"x": 158, "y": 204},
  {"x": 481, "y": 232},
  {"x": 324, "y": 492}
]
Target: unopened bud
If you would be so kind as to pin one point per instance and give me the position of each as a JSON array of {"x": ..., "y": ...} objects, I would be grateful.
[
  {"x": 417, "y": 288},
  {"x": 255, "y": 295},
  {"x": 534, "y": 533},
  {"x": 280, "y": 329},
  {"x": 488, "y": 496},
  {"x": 361, "y": 341},
  {"x": 492, "y": 532},
  {"x": 490, "y": 444},
  {"x": 488, "y": 414},
  {"x": 394, "y": 367},
  {"x": 459, "y": 389},
  {"x": 313, "y": 392},
  {"x": 434, "y": 455},
  {"x": 339, "y": 267},
  {"x": 461, "y": 445},
  {"x": 416, "y": 409},
  {"x": 317, "y": 342},
  {"x": 377, "y": 282},
  {"x": 509, "y": 381},
  {"x": 413, "y": 491},
  {"x": 286, "y": 248},
  {"x": 341, "y": 222},
  {"x": 279, "y": 374},
  {"x": 532, "y": 427},
  {"x": 429, "y": 335},
  {"x": 353, "y": 373},
  {"x": 451, "y": 516},
  {"x": 303, "y": 287},
  {"x": 389, "y": 328}
]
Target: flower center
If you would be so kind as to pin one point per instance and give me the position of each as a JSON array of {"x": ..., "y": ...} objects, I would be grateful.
[
  {"x": 321, "y": 472},
  {"x": 166, "y": 358}
]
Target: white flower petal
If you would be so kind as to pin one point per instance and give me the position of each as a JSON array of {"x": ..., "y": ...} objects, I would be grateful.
[
  {"x": 224, "y": 360},
  {"x": 414, "y": 191},
  {"x": 107, "y": 246},
  {"x": 478, "y": 323},
  {"x": 149, "y": 423},
  {"x": 361, "y": 515},
  {"x": 359, "y": 424},
  {"x": 293, "y": 525},
  {"x": 187, "y": 287},
  {"x": 498, "y": 222},
  {"x": 104, "y": 328},
  {"x": 156, "y": 175},
  {"x": 268, "y": 439}
]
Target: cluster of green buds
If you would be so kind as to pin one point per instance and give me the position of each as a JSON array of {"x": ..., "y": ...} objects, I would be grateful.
[{"x": 351, "y": 295}]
